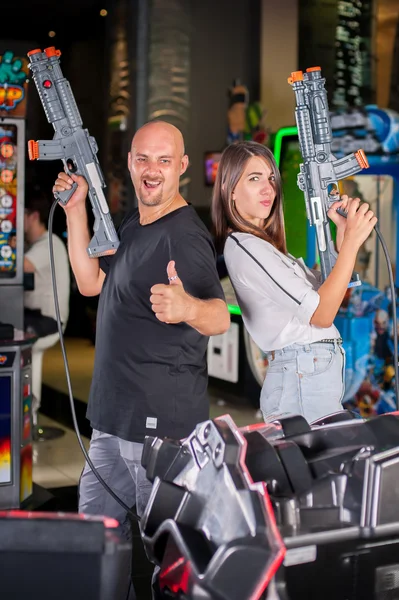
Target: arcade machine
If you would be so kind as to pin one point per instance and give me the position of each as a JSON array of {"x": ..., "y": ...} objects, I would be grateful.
[
  {"x": 296, "y": 510},
  {"x": 15, "y": 346},
  {"x": 61, "y": 555}
]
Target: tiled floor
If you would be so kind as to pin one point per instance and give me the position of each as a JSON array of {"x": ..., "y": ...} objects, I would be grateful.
[
  {"x": 80, "y": 354},
  {"x": 58, "y": 463}
]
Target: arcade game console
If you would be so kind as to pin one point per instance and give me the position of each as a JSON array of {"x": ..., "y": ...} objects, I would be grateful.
[
  {"x": 15, "y": 346},
  {"x": 54, "y": 555},
  {"x": 312, "y": 506}
]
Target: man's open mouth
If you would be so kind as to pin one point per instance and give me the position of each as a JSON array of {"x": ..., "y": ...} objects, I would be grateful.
[{"x": 151, "y": 184}]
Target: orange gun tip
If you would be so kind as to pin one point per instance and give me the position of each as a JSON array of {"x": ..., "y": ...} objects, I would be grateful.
[
  {"x": 311, "y": 69},
  {"x": 33, "y": 150},
  {"x": 106, "y": 253},
  {"x": 35, "y": 51},
  {"x": 362, "y": 159},
  {"x": 51, "y": 51},
  {"x": 295, "y": 76}
]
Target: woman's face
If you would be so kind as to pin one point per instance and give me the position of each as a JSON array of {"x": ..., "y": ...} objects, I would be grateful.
[{"x": 254, "y": 194}]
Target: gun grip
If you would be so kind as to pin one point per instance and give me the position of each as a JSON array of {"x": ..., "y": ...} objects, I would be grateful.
[{"x": 64, "y": 197}]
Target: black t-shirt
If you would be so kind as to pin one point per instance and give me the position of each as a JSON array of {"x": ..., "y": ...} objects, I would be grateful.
[{"x": 150, "y": 378}]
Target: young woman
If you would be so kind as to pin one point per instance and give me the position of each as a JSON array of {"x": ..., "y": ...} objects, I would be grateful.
[{"x": 286, "y": 309}]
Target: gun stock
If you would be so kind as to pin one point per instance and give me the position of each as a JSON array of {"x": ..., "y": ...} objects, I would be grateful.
[{"x": 72, "y": 144}]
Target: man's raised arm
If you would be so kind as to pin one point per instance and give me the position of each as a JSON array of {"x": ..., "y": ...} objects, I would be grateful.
[{"x": 89, "y": 277}]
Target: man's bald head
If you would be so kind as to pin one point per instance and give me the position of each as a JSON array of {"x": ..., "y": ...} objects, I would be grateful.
[
  {"x": 156, "y": 161},
  {"x": 160, "y": 128}
]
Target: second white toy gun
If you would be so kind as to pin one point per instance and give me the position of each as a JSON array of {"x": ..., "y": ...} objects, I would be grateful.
[
  {"x": 320, "y": 172},
  {"x": 72, "y": 144}
]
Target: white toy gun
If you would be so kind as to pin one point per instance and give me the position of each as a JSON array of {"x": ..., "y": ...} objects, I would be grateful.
[
  {"x": 320, "y": 171},
  {"x": 72, "y": 144}
]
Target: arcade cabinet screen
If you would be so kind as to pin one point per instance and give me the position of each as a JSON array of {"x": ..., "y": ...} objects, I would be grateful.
[
  {"x": 211, "y": 163},
  {"x": 5, "y": 428},
  {"x": 294, "y": 201},
  {"x": 8, "y": 200}
]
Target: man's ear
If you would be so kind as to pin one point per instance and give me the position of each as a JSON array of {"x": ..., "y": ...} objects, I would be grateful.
[
  {"x": 184, "y": 164},
  {"x": 129, "y": 156}
]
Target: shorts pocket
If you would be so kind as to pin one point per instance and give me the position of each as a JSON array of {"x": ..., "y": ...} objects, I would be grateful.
[
  {"x": 316, "y": 362},
  {"x": 272, "y": 393}
]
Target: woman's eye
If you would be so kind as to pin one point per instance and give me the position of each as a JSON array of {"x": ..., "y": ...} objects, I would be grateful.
[{"x": 255, "y": 178}]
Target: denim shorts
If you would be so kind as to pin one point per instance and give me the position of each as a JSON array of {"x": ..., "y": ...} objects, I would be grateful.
[{"x": 304, "y": 379}]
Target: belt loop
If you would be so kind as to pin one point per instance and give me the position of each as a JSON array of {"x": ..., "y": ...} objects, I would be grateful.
[{"x": 307, "y": 348}]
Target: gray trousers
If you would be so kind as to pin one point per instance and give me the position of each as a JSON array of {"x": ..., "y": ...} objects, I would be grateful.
[{"x": 119, "y": 464}]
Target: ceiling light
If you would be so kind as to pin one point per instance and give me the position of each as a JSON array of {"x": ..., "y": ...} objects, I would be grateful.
[{"x": 103, "y": 12}]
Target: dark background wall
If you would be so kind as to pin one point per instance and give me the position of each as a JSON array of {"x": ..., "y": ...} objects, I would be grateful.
[
  {"x": 225, "y": 46},
  {"x": 83, "y": 64},
  {"x": 318, "y": 45}
]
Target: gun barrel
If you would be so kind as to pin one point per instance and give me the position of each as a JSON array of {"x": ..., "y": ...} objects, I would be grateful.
[
  {"x": 302, "y": 115},
  {"x": 305, "y": 132},
  {"x": 54, "y": 90},
  {"x": 319, "y": 111},
  {"x": 45, "y": 85}
]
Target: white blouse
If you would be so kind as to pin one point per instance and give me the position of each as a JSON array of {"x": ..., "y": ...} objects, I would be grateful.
[{"x": 277, "y": 294}]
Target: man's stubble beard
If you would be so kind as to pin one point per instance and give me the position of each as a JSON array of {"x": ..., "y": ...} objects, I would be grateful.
[{"x": 151, "y": 201}]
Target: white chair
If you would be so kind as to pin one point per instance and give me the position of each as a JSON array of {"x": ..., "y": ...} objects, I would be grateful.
[{"x": 38, "y": 350}]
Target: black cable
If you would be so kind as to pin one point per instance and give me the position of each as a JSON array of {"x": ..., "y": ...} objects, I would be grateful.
[
  {"x": 394, "y": 317},
  {"x": 67, "y": 373}
]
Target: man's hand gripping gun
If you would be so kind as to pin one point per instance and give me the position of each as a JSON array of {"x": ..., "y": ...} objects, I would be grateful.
[
  {"x": 72, "y": 144},
  {"x": 320, "y": 172}
]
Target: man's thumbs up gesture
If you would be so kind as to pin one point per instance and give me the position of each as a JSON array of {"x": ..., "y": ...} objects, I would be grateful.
[{"x": 170, "y": 303}]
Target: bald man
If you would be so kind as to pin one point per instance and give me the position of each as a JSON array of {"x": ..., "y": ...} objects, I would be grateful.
[{"x": 160, "y": 299}]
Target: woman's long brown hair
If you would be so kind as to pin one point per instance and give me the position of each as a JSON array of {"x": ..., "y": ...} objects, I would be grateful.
[{"x": 225, "y": 216}]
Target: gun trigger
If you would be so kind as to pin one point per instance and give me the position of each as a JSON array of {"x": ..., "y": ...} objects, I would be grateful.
[
  {"x": 64, "y": 197},
  {"x": 342, "y": 212}
]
